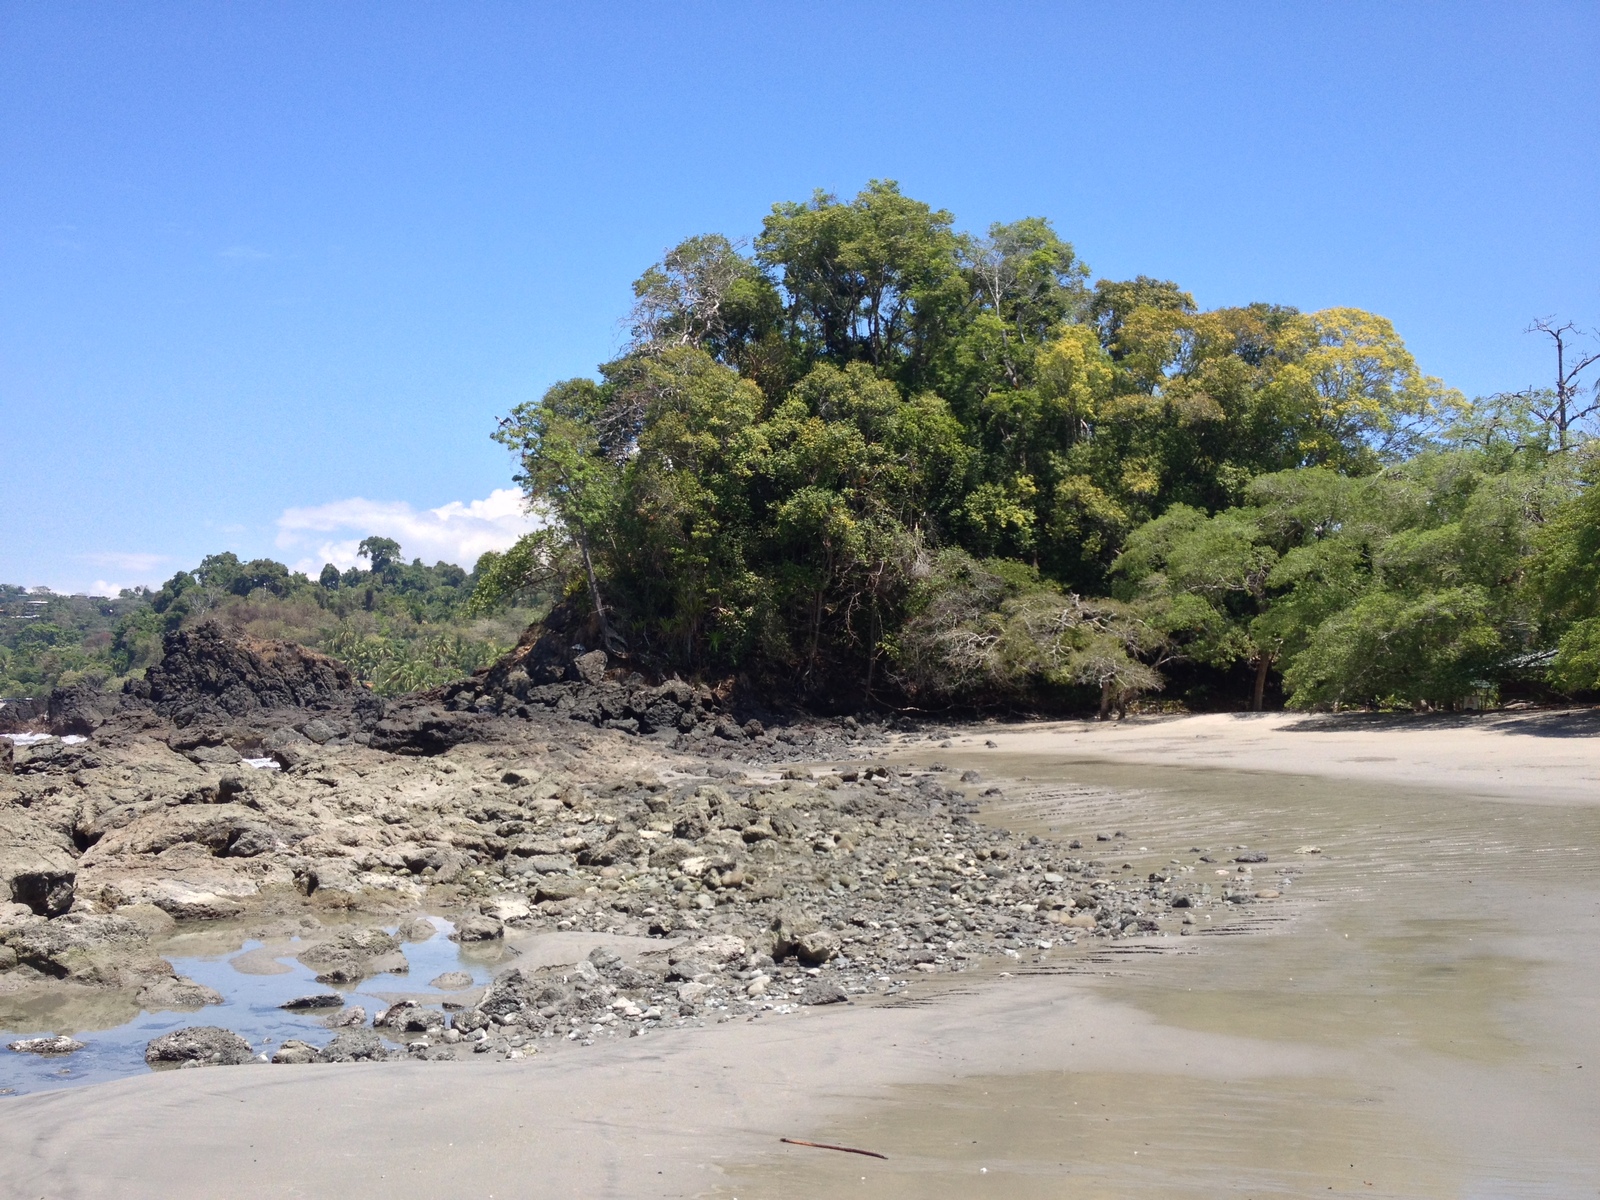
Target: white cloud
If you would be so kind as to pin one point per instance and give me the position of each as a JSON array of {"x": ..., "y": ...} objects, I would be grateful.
[{"x": 456, "y": 532}]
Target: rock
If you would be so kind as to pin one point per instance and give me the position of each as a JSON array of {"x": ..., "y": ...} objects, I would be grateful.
[
  {"x": 625, "y": 847},
  {"x": 723, "y": 948},
  {"x": 1252, "y": 857},
  {"x": 478, "y": 928},
  {"x": 1268, "y": 894},
  {"x": 345, "y": 1018},
  {"x": 407, "y": 1015},
  {"x": 416, "y": 929},
  {"x": 104, "y": 951},
  {"x": 206, "y": 672},
  {"x": 354, "y": 954},
  {"x": 80, "y": 709},
  {"x": 50, "y": 1046},
  {"x": 322, "y": 731},
  {"x": 687, "y": 967},
  {"x": 591, "y": 667},
  {"x": 421, "y": 728},
  {"x": 204, "y": 1045},
  {"x": 355, "y": 1045},
  {"x": 295, "y": 1052},
  {"x": 451, "y": 981},
  {"x": 822, "y": 991},
  {"x": 177, "y": 992},
  {"x": 816, "y": 947},
  {"x": 37, "y": 866},
  {"x": 47, "y": 891},
  {"x": 506, "y": 908},
  {"x": 559, "y": 887},
  {"x": 693, "y": 993},
  {"x": 308, "y": 1003}
]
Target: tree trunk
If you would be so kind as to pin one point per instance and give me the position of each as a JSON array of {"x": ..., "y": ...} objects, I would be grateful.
[
  {"x": 613, "y": 643},
  {"x": 1105, "y": 699},
  {"x": 1263, "y": 668}
]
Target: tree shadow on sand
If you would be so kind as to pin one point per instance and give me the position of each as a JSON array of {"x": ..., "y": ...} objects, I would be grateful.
[{"x": 1558, "y": 723}]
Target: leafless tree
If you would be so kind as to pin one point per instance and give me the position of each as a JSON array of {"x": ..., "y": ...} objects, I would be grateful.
[{"x": 1564, "y": 406}]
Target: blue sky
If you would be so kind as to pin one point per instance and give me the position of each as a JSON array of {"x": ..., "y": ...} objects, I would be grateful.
[{"x": 269, "y": 272}]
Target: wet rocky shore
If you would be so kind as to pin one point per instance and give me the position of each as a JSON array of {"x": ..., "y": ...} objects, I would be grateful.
[{"x": 744, "y": 868}]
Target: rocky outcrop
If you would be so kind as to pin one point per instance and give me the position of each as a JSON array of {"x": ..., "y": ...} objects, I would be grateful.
[
  {"x": 37, "y": 865},
  {"x": 23, "y": 715},
  {"x": 209, "y": 674},
  {"x": 80, "y": 709}
]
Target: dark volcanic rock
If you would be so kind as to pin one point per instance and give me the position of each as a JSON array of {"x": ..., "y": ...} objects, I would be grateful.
[
  {"x": 23, "y": 716},
  {"x": 80, "y": 709},
  {"x": 208, "y": 673},
  {"x": 422, "y": 728}
]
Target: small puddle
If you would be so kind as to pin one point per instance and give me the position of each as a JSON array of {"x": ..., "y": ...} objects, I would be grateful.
[{"x": 255, "y": 980}]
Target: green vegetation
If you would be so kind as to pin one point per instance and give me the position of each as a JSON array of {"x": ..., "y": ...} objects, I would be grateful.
[
  {"x": 871, "y": 456},
  {"x": 398, "y": 626}
]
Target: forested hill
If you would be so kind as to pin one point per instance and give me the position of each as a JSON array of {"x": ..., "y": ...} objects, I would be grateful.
[
  {"x": 399, "y": 626},
  {"x": 868, "y": 456}
]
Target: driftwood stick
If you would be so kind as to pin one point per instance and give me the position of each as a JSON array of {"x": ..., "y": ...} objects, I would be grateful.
[{"x": 842, "y": 1149}]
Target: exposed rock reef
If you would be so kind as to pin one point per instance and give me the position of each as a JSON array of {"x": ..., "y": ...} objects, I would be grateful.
[{"x": 253, "y": 783}]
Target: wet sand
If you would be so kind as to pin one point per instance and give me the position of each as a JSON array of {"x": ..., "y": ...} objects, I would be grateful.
[{"x": 1416, "y": 1016}]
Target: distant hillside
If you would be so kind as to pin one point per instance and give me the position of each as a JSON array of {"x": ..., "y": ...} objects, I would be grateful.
[{"x": 398, "y": 626}]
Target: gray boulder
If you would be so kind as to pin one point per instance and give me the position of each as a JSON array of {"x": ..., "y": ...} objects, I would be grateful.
[{"x": 202, "y": 1045}]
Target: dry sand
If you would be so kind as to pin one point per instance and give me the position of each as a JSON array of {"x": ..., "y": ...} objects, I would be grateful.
[
  {"x": 1542, "y": 756},
  {"x": 1419, "y": 1025}
]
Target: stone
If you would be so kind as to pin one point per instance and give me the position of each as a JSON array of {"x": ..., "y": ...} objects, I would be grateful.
[
  {"x": 1252, "y": 857},
  {"x": 322, "y": 731},
  {"x": 822, "y": 991},
  {"x": 451, "y": 981},
  {"x": 478, "y": 928},
  {"x": 722, "y": 948},
  {"x": 310, "y": 1003},
  {"x": 559, "y": 887},
  {"x": 506, "y": 908},
  {"x": 355, "y": 1015},
  {"x": 408, "y": 1016},
  {"x": 295, "y": 1052},
  {"x": 49, "y": 1046},
  {"x": 591, "y": 667},
  {"x": 693, "y": 993},
  {"x": 816, "y": 947},
  {"x": 416, "y": 929},
  {"x": 204, "y": 1045},
  {"x": 177, "y": 992},
  {"x": 355, "y": 1045}
]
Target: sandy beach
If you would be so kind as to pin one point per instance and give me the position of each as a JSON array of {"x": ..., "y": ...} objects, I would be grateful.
[{"x": 1414, "y": 1018}]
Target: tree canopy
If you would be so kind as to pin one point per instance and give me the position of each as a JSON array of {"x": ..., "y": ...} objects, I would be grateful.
[{"x": 869, "y": 453}]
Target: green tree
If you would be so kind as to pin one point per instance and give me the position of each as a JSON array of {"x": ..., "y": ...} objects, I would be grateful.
[{"x": 381, "y": 552}]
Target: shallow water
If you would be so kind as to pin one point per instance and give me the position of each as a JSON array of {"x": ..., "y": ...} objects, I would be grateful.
[
  {"x": 254, "y": 978},
  {"x": 1440, "y": 960}
]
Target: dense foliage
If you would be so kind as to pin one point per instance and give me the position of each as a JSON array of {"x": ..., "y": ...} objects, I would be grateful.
[
  {"x": 871, "y": 455},
  {"x": 399, "y": 626}
]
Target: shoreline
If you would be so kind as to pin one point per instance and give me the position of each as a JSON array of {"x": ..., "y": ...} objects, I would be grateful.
[
  {"x": 1544, "y": 757},
  {"x": 699, "y": 1112}
]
